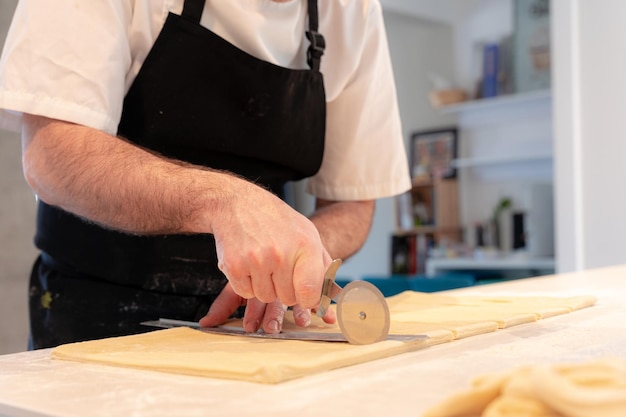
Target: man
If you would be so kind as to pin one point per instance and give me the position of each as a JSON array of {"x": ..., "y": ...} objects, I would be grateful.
[{"x": 158, "y": 137}]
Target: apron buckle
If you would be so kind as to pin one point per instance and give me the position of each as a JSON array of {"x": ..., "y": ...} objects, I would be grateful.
[{"x": 316, "y": 49}]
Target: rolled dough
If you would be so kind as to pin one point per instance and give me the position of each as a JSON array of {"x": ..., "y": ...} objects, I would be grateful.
[
  {"x": 596, "y": 388},
  {"x": 443, "y": 318}
]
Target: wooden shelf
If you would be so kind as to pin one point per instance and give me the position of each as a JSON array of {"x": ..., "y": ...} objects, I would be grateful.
[
  {"x": 475, "y": 162},
  {"x": 437, "y": 266},
  {"x": 435, "y": 203},
  {"x": 440, "y": 198},
  {"x": 423, "y": 183},
  {"x": 428, "y": 230},
  {"x": 505, "y": 138},
  {"x": 498, "y": 102}
]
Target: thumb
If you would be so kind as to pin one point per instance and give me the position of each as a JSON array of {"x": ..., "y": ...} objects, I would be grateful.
[{"x": 222, "y": 308}]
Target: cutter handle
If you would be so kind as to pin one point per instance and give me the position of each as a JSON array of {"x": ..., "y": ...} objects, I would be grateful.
[{"x": 329, "y": 289}]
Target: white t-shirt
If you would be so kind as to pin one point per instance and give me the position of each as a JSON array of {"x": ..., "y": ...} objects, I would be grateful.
[{"x": 75, "y": 60}]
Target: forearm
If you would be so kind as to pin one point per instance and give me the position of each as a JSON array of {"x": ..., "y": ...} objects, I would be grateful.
[
  {"x": 343, "y": 226},
  {"x": 266, "y": 249},
  {"x": 117, "y": 184}
]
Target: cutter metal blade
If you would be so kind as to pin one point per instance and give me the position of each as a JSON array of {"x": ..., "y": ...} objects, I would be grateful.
[
  {"x": 363, "y": 313},
  {"x": 165, "y": 323},
  {"x": 362, "y": 310}
]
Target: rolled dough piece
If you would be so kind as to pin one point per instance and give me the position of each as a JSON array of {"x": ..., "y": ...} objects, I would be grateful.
[
  {"x": 471, "y": 402},
  {"x": 595, "y": 388},
  {"x": 186, "y": 351}
]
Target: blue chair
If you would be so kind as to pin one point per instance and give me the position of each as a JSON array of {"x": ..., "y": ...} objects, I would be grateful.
[
  {"x": 442, "y": 282},
  {"x": 388, "y": 286}
]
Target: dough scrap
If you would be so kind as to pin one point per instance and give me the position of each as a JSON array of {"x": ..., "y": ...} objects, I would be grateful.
[
  {"x": 442, "y": 318},
  {"x": 594, "y": 388}
]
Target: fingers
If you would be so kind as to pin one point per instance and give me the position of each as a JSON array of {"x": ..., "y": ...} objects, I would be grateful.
[
  {"x": 265, "y": 278},
  {"x": 222, "y": 308},
  {"x": 240, "y": 281},
  {"x": 269, "y": 317},
  {"x": 302, "y": 289},
  {"x": 301, "y": 315},
  {"x": 283, "y": 283},
  {"x": 298, "y": 282},
  {"x": 253, "y": 315},
  {"x": 330, "y": 317},
  {"x": 258, "y": 315},
  {"x": 263, "y": 286},
  {"x": 308, "y": 277}
]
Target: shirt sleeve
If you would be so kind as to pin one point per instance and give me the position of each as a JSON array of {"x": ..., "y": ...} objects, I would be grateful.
[
  {"x": 364, "y": 155},
  {"x": 66, "y": 60}
]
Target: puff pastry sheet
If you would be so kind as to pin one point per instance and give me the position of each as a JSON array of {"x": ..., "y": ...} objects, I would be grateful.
[{"x": 443, "y": 318}]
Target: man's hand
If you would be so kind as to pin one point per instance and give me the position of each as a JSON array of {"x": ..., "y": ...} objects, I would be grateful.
[
  {"x": 258, "y": 315},
  {"x": 267, "y": 250}
]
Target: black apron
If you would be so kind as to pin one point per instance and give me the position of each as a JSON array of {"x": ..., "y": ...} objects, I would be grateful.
[{"x": 199, "y": 99}]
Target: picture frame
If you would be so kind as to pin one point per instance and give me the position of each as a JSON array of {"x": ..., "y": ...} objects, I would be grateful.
[{"x": 433, "y": 153}]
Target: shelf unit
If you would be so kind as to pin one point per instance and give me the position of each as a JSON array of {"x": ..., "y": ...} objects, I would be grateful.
[
  {"x": 532, "y": 266},
  {"x": 439, "y": 198},
  {"x": 489, "y": 104},
  {"x": 506, "y": 150},
  {"x": 513, "y": 108},
  {"x": 505, "y": 142},
  {"x": 502, "y": 160},
  {"x": 429, "y": 230},
  {"x": 512, "y": 130}
]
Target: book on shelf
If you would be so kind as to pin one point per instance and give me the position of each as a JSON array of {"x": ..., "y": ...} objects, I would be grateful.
[
  {"x": 491, "y": 62},
  {"x": 409, "y": 253},
  {"x": 496, "y": 76}
]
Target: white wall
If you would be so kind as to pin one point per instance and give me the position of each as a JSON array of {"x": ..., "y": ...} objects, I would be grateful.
[
  {"x": 589, "y": 90},
  {"x": 17, "y": 224}
]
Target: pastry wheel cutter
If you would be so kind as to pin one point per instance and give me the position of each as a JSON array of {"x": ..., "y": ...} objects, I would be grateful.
[{"x": 362, "y": 314}]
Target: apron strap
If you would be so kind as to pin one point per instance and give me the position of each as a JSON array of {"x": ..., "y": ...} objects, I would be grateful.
[
  {"x": 192, "y": 10},
  {"x": 316, "y": 49}
]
